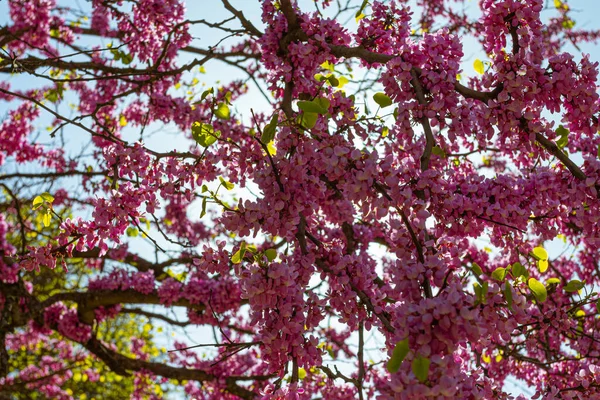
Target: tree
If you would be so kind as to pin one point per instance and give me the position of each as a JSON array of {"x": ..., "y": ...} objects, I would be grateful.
[{"x": 343, "y": 215}]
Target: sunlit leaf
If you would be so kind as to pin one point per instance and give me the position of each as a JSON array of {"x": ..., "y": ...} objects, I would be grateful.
[
  {"x": 538, "y": 289},
  {"x": 46, "y": 219},
  {"x": 478, "y": 65},
  {"x": 228, "y": 185},
  {"x": 499, "y": 274},
  {"x": 271, "y": 149},
  {"x": 222, "y": 111},
  {"x": 540, "y": 253},
  {"x": 38, "y": 201},
  {"x": 542, "y": 265},
  {"x": 301, "y": 373},
  {"x": 204, "y": 134},
  {"x": 238, "y": 256}
]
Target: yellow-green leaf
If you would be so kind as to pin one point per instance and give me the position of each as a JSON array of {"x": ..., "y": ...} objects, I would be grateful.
[
  {"x": 123, "y": 121},
  {"x": 271, "y": 254},
  {"x": 518, "y": 270},
  {"x": 301, "y": 373},
  {"x": 238, "y": 256},
  {"x": 499, "y": 274},
  {"x": 552, "y": 281},
  {"x": 46, "y": 219},
  {"x": 204, "y": 134},
  {"x": 478, "y": 65},
  {"x": 48, "y": 198},
  {"x": 328, "y": 65},
  {"x": 222, "y": 111},
  {"x": 538, "y": 289},
  {"x": 228, "y": 185},
  {"x": 542, "y": 265},
  {"x": 476, "y": 269},
  {"x": 382, "y": 99},
  {"x": 309, "y": 120},
  {"x": 540, "y": 253},
  {"x": 271, "y": 149},
  {"x": 38, "y": 201}
]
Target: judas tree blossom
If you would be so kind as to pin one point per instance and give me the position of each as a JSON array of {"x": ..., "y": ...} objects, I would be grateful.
[{"x": 373, "y": 208}]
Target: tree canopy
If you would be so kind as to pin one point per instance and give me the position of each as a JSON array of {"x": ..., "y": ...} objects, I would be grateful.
[{"x": 366, "y": 203}]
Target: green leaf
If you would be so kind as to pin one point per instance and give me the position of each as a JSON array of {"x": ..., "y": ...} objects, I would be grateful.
[
  {"x": 132, "y": 232},
  {"x": 540, "y": 253},
  {"x": 508, "y": 295},
  {"x": 204, "y": 134},
  {"x": 598, "y": 306},
  {"x": 574, "y": 286},
  {"x": 312, "y": 107},
  {"x": 382, "y": 99},
  {"x": 309, "y": 120},
  {"x": 228, "y": 185},
  {"x": 238, "y": 256},
  {"x": 203, "y": 213},
  {"x": 333, "y": 81},
  {"x": 206, "y": 93},
  {"x": 269, "y": 131},
  {"x": 438, "y": 151},
  {"x": 481, "y": 292},
  {"x": 476, "y": 269},
  {"x": 599, "y": 151},
  {"x": 126, "y": 58},
  {"x": 538, "y": 289},
  {"x": 478, "y": 65},
  {"x": 362, "y": 8},
  {"x": 420, "y": 367},
  {"x": 398, "y": 355},
  {"x": 499, "y": 274},
  {"x": 271, "y": 254},
  {"x": 47, "y": 197},
  {"x": 518, "y": 270},
  {"x": 52, "y": 96},
  {"x": 222, "y": 111},
  {"x": 563, "y": 139}
]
